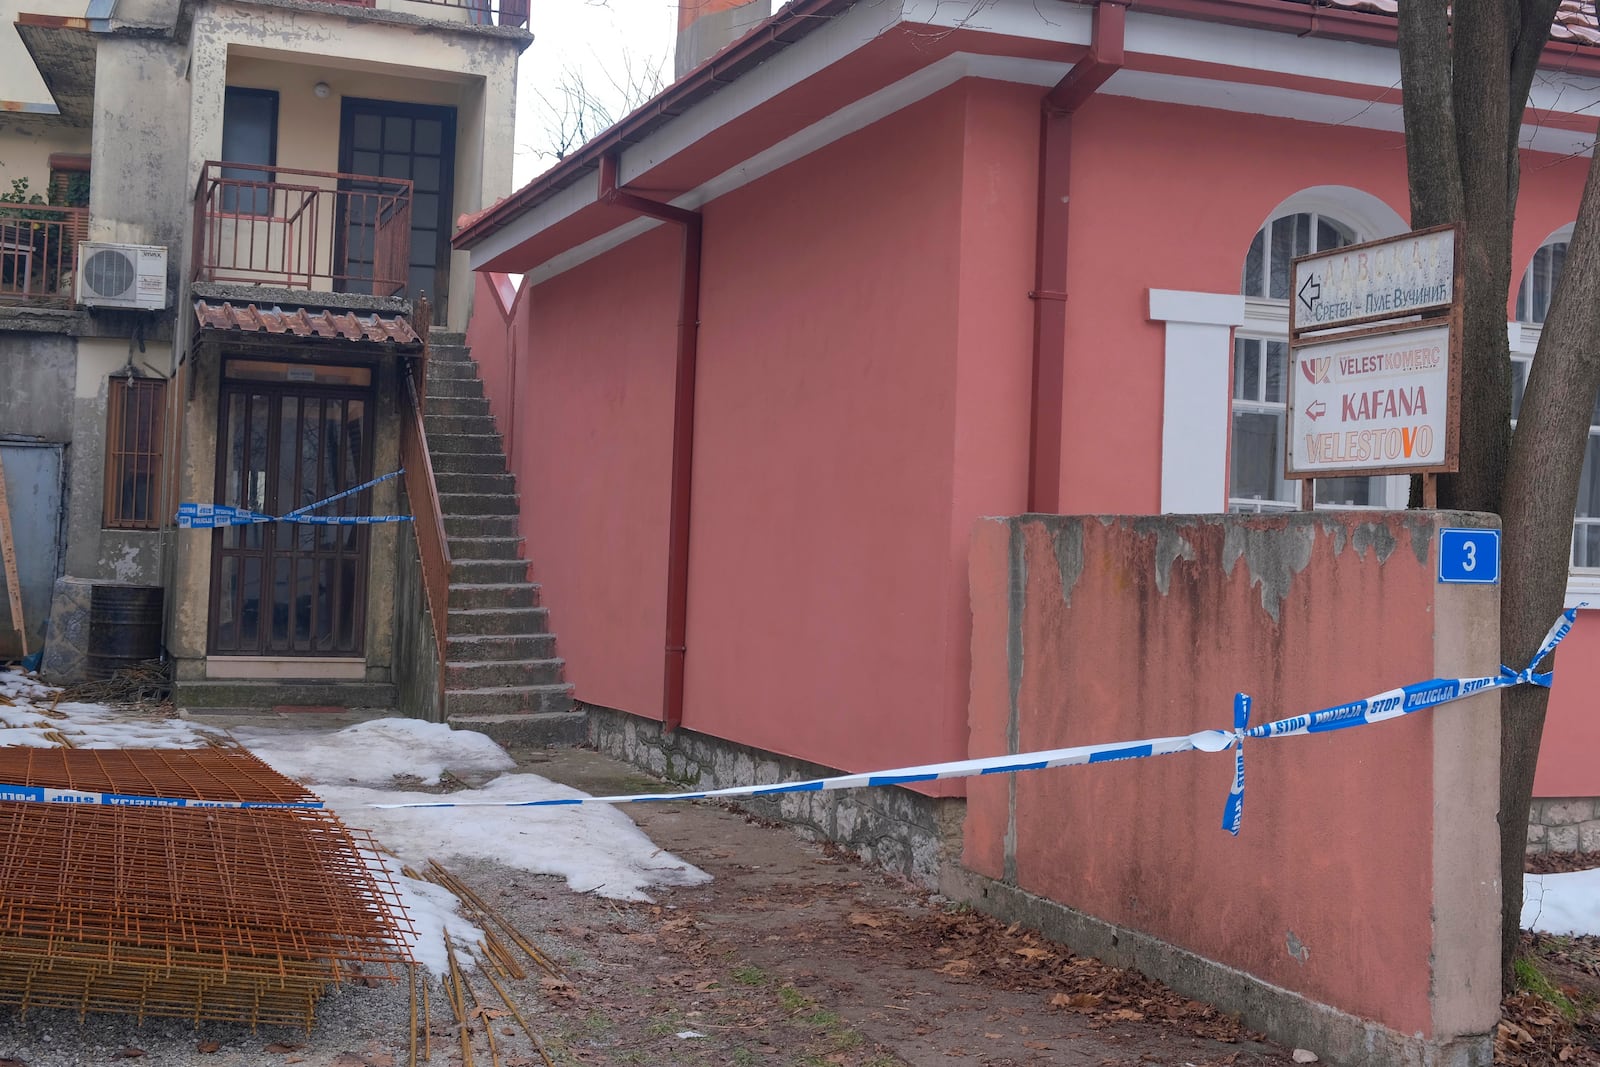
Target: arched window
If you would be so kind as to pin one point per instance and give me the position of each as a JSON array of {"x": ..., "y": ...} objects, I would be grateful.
[
  {"x": 1260, "y": 367},
  {"x": 1533, "y": 305}
]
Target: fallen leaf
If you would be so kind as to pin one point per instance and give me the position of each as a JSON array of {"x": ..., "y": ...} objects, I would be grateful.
[
  {"x": 12, "y": 1063},
  {"x": 487, "y": 1013},
  {"x": 957, "y": 967},
  {"x": 861, "y": 918},
  {"x": 994, "y": 1037},
  {"x": 209, "y": 1046},
  {"x": 281, "y": 1047},
  {"x": 559, "y": 988},
  {"x": 1039, "y": 1045},
  {"x": 1034, "y": 953},
  {"x": 130, "y": 1053},
  {"x": 1566, "y": 1053},
  {"x": 379, "y": 1059},
  {"x": 1127, "y": 1015},
  {"x": 1076, "y": 1001},
  {"x": 348, "y": 1059}
]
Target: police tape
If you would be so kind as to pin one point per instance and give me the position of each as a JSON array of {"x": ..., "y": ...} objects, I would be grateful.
[
  {"x": 212, "y": 516},
  {"x": 35, "y": 794},
  {"x": 1391, "y": 704}
]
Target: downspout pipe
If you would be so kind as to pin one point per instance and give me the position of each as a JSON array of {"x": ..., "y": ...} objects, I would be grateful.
[
  {"x": 682, "y": 431},
  {"x": 1049, "y": 295}
]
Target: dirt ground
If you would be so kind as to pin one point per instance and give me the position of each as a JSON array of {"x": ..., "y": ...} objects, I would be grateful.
[{"x": 794, "y": 954}]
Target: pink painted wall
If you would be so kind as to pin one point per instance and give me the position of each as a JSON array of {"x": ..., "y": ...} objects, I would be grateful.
[
  {"x": 589, "y": 432},
  {"x": 854, "y": 418},
  {"x": 1131, "y": 629}
]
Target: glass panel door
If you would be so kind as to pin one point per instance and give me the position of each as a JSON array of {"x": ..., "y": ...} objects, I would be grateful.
[{"x": 280, "y": 588}]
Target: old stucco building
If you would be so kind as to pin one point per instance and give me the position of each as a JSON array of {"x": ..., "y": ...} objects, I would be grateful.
[{"x": 215, "y": 300}]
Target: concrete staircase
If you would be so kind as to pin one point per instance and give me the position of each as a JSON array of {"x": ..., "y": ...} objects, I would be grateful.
[{"x": 502, "y": 675}]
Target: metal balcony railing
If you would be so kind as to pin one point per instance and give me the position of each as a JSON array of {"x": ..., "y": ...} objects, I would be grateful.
[
  {"x": 39, "y": 252},
  {"x": 302, "y": 229}
]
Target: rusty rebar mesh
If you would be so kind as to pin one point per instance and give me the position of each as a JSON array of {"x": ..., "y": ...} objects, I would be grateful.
[
  {"x": 233, "y": 774},
  {"x": 204, "y": 913}
]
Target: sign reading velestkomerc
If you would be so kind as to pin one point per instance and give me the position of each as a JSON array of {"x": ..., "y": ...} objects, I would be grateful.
[
  {"x": 1406, "y": 275},
  {"x": 1373, "y": 402}
]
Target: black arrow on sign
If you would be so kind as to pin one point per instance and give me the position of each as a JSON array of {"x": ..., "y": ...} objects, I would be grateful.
[{"x": 1315, "y": 290}]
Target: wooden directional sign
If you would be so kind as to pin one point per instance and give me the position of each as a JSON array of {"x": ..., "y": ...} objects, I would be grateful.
[
  {"x": 1413, "y": 274},
  {"x": 1374, "y": 359}
]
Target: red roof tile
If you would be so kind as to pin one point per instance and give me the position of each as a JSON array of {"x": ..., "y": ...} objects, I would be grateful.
[{"x": 329, "y": 325}]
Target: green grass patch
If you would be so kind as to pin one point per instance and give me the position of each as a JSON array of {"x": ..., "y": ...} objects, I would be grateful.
[{"x": 1532, "y": 980}]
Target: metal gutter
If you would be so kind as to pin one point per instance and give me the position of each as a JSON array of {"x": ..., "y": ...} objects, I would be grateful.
[
  {"x": 683, "y": 398},
  {"x": 1049, "y": 295}
]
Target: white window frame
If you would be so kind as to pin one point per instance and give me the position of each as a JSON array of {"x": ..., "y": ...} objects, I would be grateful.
[{"x": 1266, "y": 319}]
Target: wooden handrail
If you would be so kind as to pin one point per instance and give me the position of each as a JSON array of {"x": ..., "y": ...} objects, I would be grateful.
[{"x": 433, "y": 545}]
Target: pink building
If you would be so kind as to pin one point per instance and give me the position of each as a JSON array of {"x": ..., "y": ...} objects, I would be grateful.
[{"x": 947, "y": 260}]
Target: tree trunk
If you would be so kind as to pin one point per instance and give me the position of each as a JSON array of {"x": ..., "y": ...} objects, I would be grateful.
[{"x": 1541, "y": 487}]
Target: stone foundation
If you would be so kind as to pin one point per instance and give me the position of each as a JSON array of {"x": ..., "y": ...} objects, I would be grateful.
[
  {"x": 1564, "y": 824},
  {"x": 890, "y": 827}
]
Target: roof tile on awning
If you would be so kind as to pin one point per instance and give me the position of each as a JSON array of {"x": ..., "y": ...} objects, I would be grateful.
[{"x": 329, "y": 325}]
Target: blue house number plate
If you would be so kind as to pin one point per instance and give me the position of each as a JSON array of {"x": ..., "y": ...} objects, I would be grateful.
[{"x": 1469, "y": 556}]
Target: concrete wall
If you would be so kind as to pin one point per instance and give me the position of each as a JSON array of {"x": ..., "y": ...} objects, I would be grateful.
[{"x": 1361, "y": 899}]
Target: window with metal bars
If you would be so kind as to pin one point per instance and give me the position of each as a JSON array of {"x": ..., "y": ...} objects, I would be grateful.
[{"x": 135, "y": 416}]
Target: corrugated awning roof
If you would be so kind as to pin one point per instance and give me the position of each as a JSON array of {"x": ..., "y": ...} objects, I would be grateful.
[{"x": 327, "y": 325}]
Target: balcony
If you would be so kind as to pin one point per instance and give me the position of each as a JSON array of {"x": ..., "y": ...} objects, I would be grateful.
[
  {"x": 302, "y": 229},
  {"x": 38, "y": 252}
]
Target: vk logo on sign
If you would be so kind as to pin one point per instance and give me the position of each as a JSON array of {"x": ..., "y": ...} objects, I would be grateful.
[{"x": 1471, "y": 556}]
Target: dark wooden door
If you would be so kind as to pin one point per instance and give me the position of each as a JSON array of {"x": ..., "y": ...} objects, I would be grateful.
[
  {"x": 286, "y": 589},
  {"x": 415, "y": 141}
]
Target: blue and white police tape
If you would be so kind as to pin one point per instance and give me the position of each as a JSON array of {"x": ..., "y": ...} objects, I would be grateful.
[
  {"x": 36, "y": 794},
  {"x": 1391, "y": 704},
  {"x": 211, "y": 516}
]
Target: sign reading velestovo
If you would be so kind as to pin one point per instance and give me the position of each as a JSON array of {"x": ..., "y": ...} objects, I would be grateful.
[{"x": 1378, "y": 399}]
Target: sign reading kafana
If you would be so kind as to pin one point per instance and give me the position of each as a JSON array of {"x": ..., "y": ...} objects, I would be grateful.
[{"x": 1380, "y": 399}]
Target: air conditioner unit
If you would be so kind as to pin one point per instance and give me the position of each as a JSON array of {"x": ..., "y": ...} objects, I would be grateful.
[{"x": 122, "y": 276}]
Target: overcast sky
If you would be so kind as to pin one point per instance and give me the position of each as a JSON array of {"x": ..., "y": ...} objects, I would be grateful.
[{"x": 595, "y": 38}]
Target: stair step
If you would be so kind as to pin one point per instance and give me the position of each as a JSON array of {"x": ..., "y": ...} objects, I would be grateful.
[
  {"x": 480, "y": 526},
  {"x": 457, "y": 405},
  {"x": 477, "y": 444},
  {"x": 452, "y": 463},
  {"x": 508, "y": 700},
  {"x": 453, "y": 388},
  {"x": 447, "y": 425},
  {"x": 538, "y": 729},
  {"x": 501, "y": 674},
  {"x": 479, "y": 483},
  {"x": 247, "y": 696},
  {"x": 514, "y": 595},
  {"x": 498, "y": 621},
  {"x": 439, "y": 336},
  {"x": 439, "y": 369},
  {"x": 476, "y": 648},
  {"x": 453, "y": 503},
  {"x": 489, "y": 571},
  {"x": 485, "y": 548}
]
